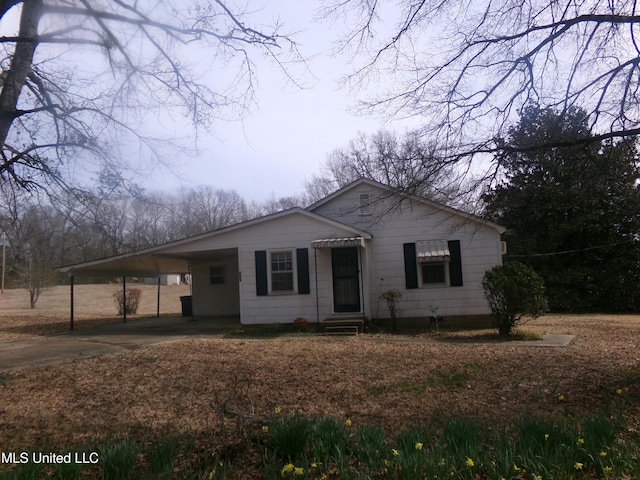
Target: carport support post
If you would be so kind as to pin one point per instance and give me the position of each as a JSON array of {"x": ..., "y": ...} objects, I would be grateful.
[
  {"x": 124, "y": 299},
  {"x": 158, "y": 311},
  {"x": 71, "y": 319}
]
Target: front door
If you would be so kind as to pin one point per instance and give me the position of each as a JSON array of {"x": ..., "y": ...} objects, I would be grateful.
[{"x": 346, "y": 280}]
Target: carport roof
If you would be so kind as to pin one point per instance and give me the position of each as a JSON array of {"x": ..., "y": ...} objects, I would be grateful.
[{"x": 157, "y": 260}]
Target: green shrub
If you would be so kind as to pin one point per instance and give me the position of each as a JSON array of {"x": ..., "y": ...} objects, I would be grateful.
[{"x": 513, "y": 291}]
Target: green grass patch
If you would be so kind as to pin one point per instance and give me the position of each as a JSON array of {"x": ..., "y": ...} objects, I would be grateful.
[
  {"x": 437, "y": 379},
  {"x": 523, "y": 335}
]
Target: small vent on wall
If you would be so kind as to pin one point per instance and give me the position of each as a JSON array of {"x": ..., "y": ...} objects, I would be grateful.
[
  {"x": 365, "y": 205},
  {"x": 503, "y": 248}
]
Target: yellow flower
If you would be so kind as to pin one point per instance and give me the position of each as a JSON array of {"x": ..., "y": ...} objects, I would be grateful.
[
  {"x": 578, "y": 465},
  {"x": 546, "y": 436},
  {"x": 581, "y": 441},
  {"x": 561, "y": 398},
  {"x": 539, "y": 477},
  {"x": 515, "y": 467},
  {"x": 265, "y": 429},
  {"x": 603, "y": 454},
  {"x": 469, "y": 463},
  {"x": 288, "y": 468},
  {"x": 314, "y": 465},
  {"x": 278, "y": 410},
  {"x": 608, "y": 469},
  {"x": 418, "y": 446},
  {"x": 386, "y": 462},
  {"x": 348, "y": 422},
  {"x": 323, "y": 477},
  {"x": 298, "y": 471},
  {"x": 619, "y": 391},
  {"x": 395, "y": 452},
  {"x": 211, "y": 474}
]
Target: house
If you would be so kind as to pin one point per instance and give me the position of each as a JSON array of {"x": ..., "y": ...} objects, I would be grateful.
[
  {"x": 331, "y": 260},
  {"x": 168, "y": 279}
]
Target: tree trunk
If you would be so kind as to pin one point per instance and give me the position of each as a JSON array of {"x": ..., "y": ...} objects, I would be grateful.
[{"x": 15, "y": 77}]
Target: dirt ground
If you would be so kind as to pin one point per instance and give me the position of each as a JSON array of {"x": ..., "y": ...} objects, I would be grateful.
[{"x": 175, "y": 386}]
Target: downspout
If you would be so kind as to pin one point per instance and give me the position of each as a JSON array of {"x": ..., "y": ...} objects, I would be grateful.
[
  {"x": 315, "y": 265},
  {"x": 362, "y": 283}
]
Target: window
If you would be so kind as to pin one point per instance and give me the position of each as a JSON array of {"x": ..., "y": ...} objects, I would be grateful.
[
  {"x": 432, "y": 263},
  {"x": 365, "y": 205},
  {"x": 216, "y": 275},
  {"x": 281, "y": 272},
  {"x": 433, "y": 273}
]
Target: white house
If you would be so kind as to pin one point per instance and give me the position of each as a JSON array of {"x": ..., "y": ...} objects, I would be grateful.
[{"x": 330, "y": 261}]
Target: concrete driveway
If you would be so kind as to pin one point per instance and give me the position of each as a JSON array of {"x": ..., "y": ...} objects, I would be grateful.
[{"x": 107, "y": 339}]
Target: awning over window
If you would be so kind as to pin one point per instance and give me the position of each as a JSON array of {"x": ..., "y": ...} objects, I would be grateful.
[
  {"x": 338, "y": 242},
  {"x": 432, "y": 251}
]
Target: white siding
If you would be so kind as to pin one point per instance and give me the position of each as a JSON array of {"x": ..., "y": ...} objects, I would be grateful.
[
  {"x": 292, "y": 231},
  {"x": 216, "y": 300},
  {"x": 391, "y": 225}
]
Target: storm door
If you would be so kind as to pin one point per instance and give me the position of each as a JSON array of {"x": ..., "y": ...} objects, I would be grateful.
[{"x": 346, "y": 280}]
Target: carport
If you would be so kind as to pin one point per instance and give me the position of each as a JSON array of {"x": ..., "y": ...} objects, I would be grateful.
[{"x": 150, "y": 263}]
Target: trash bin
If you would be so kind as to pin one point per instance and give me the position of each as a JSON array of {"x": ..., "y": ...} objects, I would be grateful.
[{"x": 187, "y": 306}]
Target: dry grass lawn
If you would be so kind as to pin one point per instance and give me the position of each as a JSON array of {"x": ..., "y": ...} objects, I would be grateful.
[
  {"x": 93, "y": 305},
  {"x": 171, "y": 387}
]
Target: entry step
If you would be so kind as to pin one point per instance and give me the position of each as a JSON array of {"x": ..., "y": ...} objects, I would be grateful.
[{"x": 347, "y": 326}]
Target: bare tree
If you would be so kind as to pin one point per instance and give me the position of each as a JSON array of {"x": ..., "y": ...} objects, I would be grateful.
[
  {"x": 31, "y": 233},
  {"x": 467, "y": 68},
  {"x": 80, "y": 79},
  {"x": 205, "y": 208},
  {"x": 405, "y": 162}
]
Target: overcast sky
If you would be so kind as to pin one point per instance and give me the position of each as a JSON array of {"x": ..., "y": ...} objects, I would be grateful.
[{"x": 278, "y": 147}]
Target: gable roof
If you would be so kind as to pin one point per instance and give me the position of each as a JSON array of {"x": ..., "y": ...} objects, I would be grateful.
[
  {"x": 391, "y": 191},
  {"x": 173, "y": 257}
]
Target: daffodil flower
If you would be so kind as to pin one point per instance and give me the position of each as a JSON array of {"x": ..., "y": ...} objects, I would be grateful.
[
  {"x": 265, "y": 429},
  {"x": 348, "y": 422},
  {"x": 469, "y": 463},
  {"x": 418, "y": 446},
  {"x": 395, "y": 452},
  {"x": 603, "y": 454},
  {"x": 581, "y": 441},
  {"x": 578, "y": 465},
  {"x": 288, "y": 468},
  {"x": 298, "y": 471}
]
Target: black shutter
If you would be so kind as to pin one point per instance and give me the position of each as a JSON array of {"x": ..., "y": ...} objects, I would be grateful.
[
  {"x": 302, "y": 258},
  {"x": 455, "y": 263},
  {"x": 262, "y": 287},
  {"x": 410, "y": 265}
]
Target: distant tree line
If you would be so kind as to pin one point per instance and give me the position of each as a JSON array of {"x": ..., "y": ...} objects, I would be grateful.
[{"x": 43, "y": 233}]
